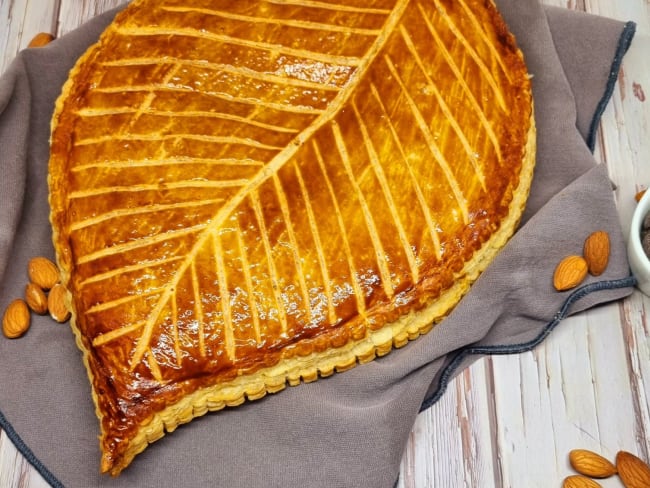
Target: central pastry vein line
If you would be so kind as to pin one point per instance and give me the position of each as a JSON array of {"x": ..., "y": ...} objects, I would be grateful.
[
  {"x": 303, "y": 24},
  {"x": 225, "y": 39},
  {"x": 274, "y": 165}
]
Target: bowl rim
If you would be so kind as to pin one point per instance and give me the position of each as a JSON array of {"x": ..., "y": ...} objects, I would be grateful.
[{"x": 641, "y": 210}]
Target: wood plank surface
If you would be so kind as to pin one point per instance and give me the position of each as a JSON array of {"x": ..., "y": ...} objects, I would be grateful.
[{"x": 506, "y": 421}]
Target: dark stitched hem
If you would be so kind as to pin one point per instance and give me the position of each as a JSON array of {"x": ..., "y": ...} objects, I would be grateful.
[
  {"x": 623, "y": 45},
  {"x": 450, "y": 369},
  {"x": 27, "y": 453}
]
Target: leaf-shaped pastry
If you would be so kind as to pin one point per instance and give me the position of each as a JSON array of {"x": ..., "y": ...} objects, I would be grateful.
[{"x": 252, "y": 193}]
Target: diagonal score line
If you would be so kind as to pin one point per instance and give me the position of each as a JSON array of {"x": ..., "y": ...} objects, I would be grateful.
[
  {"x": 274, "y": 165},
  {"x": 128, "y": 269},
  {"x": 130, "y": 211},
  {"x": 139, "y": 243},
  {"x": 141, "y": 163},
  {"x": 431, "y": 225},
  {"x": 430, "y": 140},
  {"x": 286, "y": 215},
  {"x": 320, "y": 251},
  {"x": 176, "y": 185},
  {"x": 268, "y": 251},
  {"x": 225, "y": 39},
  {"x": 332, "y": 6},
  {"x": 388, "y": 196},
  {"x": 302, "y": 24},
  {"x": 224, "y": 298},
  {"x": 280, "y": 107},
  {"x": 380, "y": 254},
  {"x": 358, "y": 292},
  {"x": 479, "y": 27},
  {"x": 163, "y": 137},
  {"x": 272, "y": 78},
  {"x": 199, "y": 114},
  {"x": 248, "y": 279},
  {"x": 451, "y": 62},
  {"x": 198, "y": 309},
  {"x": 469, "y": 150},
  {"x": 489, "y": 76}
]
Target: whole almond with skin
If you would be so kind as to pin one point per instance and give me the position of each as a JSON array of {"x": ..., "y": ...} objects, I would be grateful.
[
  {"x": 36, "y": 298},
  {"x": 634, "y": 473},
  {"x": 570, "y": 272},
  {"x": 56, "y": 303},
  {"x": 41, "y": 39},
  {"x": 16, "y": 319},
  {"x": 43, "y": 272},
  {"x": 580, "y": 481},
  {"x": 596, "y": 252},
  {"x": 591, "y": 464}
]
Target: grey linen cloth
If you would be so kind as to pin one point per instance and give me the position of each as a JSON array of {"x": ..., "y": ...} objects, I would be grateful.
[{"x": 348, "y": 430}]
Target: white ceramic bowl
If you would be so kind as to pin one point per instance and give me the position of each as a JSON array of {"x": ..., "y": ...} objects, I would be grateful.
[{"x": 639, "y": 261}]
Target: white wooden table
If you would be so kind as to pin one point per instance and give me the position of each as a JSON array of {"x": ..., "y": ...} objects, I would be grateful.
[{"x": 507, "y": 421}]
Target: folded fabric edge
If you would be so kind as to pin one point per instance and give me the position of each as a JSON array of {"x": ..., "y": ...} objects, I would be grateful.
[
  {"x": 449, "y": 371},
  {"x": 624, "y": 43},
  {"x": 24, "y": 449}
]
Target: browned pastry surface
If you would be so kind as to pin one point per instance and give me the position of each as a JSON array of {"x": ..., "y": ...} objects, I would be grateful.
[{"x": 252, "y": 193}]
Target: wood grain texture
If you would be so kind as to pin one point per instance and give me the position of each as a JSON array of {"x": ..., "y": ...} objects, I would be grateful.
[{"x": 506, "y": 421}]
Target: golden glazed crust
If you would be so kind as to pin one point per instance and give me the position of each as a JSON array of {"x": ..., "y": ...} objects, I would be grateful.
[{"x": 248, "y": 194}]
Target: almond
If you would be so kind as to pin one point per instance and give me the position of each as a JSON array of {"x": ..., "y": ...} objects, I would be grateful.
[
  {"x": 634, "y": 473},
  {"x": 56, "y": 303},
  {"x": 579, "y": 481},
  {"x": 639, "y": 195},
  {"x": 16, "y": 319},
  {"x": 591, "y": 464},
  {"x": 36, "y": 298},
  {"x": 570, "y": 272},
  {"x": 41, "y": 39},
  {"x": 43, "y": 272},
  {"x": 596, "y": 252}
]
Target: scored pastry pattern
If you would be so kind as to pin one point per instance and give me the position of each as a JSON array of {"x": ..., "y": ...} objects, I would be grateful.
[
  {"x": 270, "y": 180},
  {"x": 338, "y": 76}
]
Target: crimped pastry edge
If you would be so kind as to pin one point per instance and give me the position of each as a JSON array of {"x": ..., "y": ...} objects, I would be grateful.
[{"x": 293, "y": 371}]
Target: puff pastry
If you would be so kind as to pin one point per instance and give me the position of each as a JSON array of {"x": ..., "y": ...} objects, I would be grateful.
[{"x": 248, "y": 194}]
